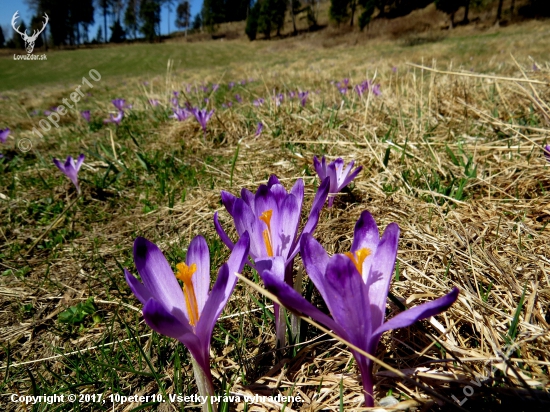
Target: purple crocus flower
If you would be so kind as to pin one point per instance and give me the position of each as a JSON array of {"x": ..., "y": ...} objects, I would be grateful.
[
  {"x": 279, "y": 99},
  {"x": 231, "y": 85},
  {"x": 339, "y": 177},
  {"x": 202, "y": 116},
  {"x": 259, "y": 129},
  {"x": 258, "y": 102},
  {"x": 291, "y": 95},
  {"x": 115, "y": 119},
  {"x": 188, "y": 315},
  {"x": 50, "y": 111},
  {"x": 120, "y": 104},
  {"x": 70, "y": 169},
  {"x": 180, "y": 114},
  {"x": 355, "y": 288},
  {"x": 154, "y": 102},
  {"x": 271, "y": 217},
  {"x": 86, "y": 115},
  {"x": 4, "y": 133},
  {"x": 238, "y": 98},
  {"x": 215, "y": 87},
  {"x": 243, "y": 82},
  {"x": 303, "y": 98},
  {"x": 546, "y": 150}
]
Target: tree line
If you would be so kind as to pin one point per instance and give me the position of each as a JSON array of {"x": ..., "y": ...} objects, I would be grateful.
[
  {"x": 70, "y": 20},
  {"x": 362, "y": 11}
]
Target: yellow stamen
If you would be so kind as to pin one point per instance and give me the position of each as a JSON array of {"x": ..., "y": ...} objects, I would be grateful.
[
  {"x": 358, "y": 258},
  {"x": 267, "y": 242},
  {"x": 266, "y": 218},
  {"x": 184, "y": 274}
]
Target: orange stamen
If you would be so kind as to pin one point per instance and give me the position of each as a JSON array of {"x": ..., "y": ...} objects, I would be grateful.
[
  {"x": 358, "y": 258},
  {"x": 266, "y": 218},
  {"x": 184, "y": 274}
]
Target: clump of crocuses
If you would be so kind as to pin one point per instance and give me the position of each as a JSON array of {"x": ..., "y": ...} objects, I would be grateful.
[
  {"x": 189, "y": 312},
  {"x": 355, "y": 287},
  {"x": 70, "y": 168},
  {"x": 339, "y": 177}
]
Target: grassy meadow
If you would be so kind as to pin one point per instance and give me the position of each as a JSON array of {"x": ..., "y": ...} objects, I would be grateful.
[{"x": 452, "y": 151}]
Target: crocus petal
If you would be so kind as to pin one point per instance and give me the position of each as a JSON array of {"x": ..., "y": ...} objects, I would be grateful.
[
  {"x": 365, "y": 236},
  {"x": 275, "y": 265},
  {"x": 137, "y": 288},
  {"x": 239, "y": 254},
  {"x": 248, "y": 198},
  {"x": 221, "y": 233},
  {"x": 159, "y": 278},
  {"x": 79, "y": 162},
  {"x": 295, "y": 302},
  {"x": 350, "y": 177},
  {"x": 379, "y": 276},
  {"x": 222, "y": 289},
  {"x": 288, "y": 224},
  {"x": 319, "y": 167},
  {"x": 423, "y": 311},
  {"x": 273, "y": 180},
  {"x": 298, "y": 191},
  {"x": 59, "y": 165},
  {"x": 198, "y": 254},
  {"x": 332, "y": 172},
  {"x": 315, "y": 260},
  {"x": 348, "y": 299},
  {"x": 313, "y": 218},
  {"x": 162, "y": 321},
  {"x": 228, "y": 200},
  {"x": 246, "y": 221},
  {"x": 279, "y": 193}
]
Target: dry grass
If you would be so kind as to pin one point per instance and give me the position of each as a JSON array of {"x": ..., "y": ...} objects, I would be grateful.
[{"x": 420, "y": 142}]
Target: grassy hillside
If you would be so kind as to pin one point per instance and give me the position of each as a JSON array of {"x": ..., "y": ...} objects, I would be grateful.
[{"x": 451, "y": 149}]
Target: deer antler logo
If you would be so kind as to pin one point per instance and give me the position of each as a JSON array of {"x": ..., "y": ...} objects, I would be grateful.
[{"x": 29, "y": 40}]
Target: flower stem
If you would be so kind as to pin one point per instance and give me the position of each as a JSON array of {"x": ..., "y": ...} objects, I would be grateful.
[{"x": 205, "y": 387}]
